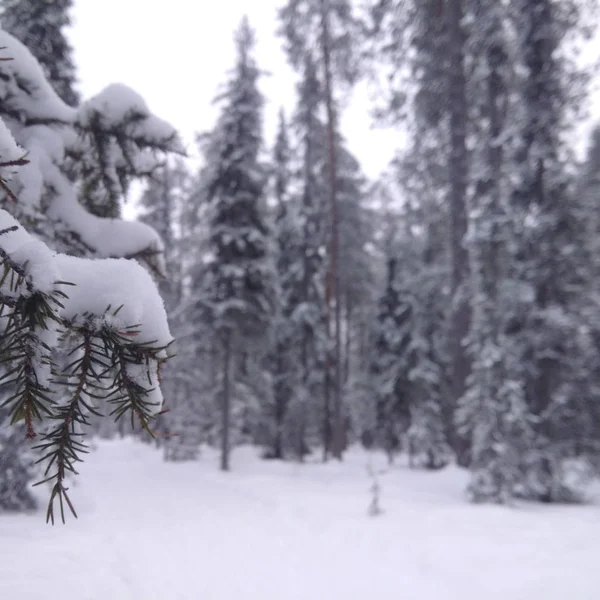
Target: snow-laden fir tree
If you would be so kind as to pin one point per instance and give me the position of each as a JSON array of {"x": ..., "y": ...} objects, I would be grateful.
[
  {"x": 105, "y": 315},
  {"x": 420, "y": 333},
  {"x": 551, "y": 260},
  {"x": 431, "y": 257},
  {"x": 321, "y": 32},
  {"x": 113, "y": 148},
  {"x": 485, "y": 72},
  {"x": 428, "y": 434},
  {"x": 356, "y": 282},
  {"x": 589, "y": 194},
  {"x": 41, "y": 25},
  {"x": 303, "y": 270},
  {"x": 241, "y": 274},
  {"x": 494, "y": 411},
  {"x": 430, "y": 426},
  {"x": 163, "y": 206},
  {"x": 421, "y": 250},
  {"x": 283, "y": 356},
  {"x": 309, "y": 410},
  {"x": 198, "y": 348},
  {"x": 589, "y": 189},
  {"x": 423, "y": 47},
  {"x": 169, "y": 205},
  {"x": 391, "y": 364}
]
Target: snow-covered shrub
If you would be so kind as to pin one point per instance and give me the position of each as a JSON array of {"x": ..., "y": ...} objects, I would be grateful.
[{"x": 75, "y": 330}]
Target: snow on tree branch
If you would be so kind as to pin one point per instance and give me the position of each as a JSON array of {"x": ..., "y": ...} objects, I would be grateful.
[
  {"x": 120, "y": 109},
  {"x": 104, "y": 144},
  {"x": 75, "y": 333},
  {"x": 106, "y": 313}
]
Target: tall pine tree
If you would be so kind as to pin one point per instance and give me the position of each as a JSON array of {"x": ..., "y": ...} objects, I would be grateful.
[
  {"x": 494, "y": 409},
  {"x": 551, "y": 262},
  {"x": 283, "y": 355},
  {"x": 321, "y": 32},
  {"x": 311, "y": 400},
  {"x": 241, "y": 275},
  {"x": 429, "y": 37},
  {"x": 390, "y": 365}
]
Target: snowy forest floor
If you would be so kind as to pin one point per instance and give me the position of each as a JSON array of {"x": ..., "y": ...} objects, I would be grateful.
[{"x": 149, "y": 530}]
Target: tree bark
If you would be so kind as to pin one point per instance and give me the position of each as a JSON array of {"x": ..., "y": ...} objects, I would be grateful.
[
  {"x": 226, "y": 402},
  {"x": 280, "y": 409},
  {"x": 333, "y": 275},
  {"x": 348, "y": 339},
  {"x": 458, "y": 168}
]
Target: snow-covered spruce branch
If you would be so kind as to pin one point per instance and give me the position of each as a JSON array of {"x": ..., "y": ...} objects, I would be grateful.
[
  {"x": 105, "y": 368},
  {"x": 104, "y": 144},
  {"x": 117, "y": 141},
  {"x": 68, "y": 169},
  {"x": 114, "y": 353},
  {"x": 17, "y": 162}
]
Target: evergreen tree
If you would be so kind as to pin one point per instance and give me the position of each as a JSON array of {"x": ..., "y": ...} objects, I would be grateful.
[
  {"x": 241, "y": 273},
  {"x": 589, "y": 193},
  {"x": 428, "y": 433},
  {"x": 391, "y": 365},
  {"x": 320, "y": 31},
  {"x": 356, "y": 282},
  {"x": 310, "y": 405},
  {"x": 114, "y": 147},
  {"x": 551, "y": 261},
  {"x": 168, "y": 204},
  {"x": 502, "y": 76},
  {"x": 163, "y": 205},
  {"x": 422, "y": 173},
  {"x": 63, "y": 349},
  {"x": 589, "y": 190},
  {"x": 283, "y": 356},
  {"x": 429, "y": 38},
  {"x": 494, "y": 409},
  {"x": 458, "y": 171},
  {"x": 40, "y": 26},
  {"x": 430, "y": 428},
  {"x": 420, "y": 369}
]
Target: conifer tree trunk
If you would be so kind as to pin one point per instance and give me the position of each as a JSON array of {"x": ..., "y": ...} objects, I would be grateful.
[
  {"x": 461, "y": 313},
  {"x": 280, "y": 408},
  {"x": 333, "y": 286},
  {"x": 226, "y": 401},
  {"x": 328, "y": 370},
  {"x": 348, "y": 339}
]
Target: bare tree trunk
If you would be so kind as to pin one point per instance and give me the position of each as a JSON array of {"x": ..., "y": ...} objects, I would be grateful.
[
  {"x": 334, "y": 276},
  {"x": 461, "y": 310},
  {"x": 226, "y": 402}
]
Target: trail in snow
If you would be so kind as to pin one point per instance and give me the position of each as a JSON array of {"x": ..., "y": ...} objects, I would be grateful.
[{"x": 268, "y": 531}]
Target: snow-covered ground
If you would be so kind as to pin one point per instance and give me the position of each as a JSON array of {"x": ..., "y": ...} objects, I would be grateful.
[{"x": 267, "y": 531}]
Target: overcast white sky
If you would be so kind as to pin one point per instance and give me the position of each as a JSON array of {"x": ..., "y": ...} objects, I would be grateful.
[{"x": 175, "y": 53}]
